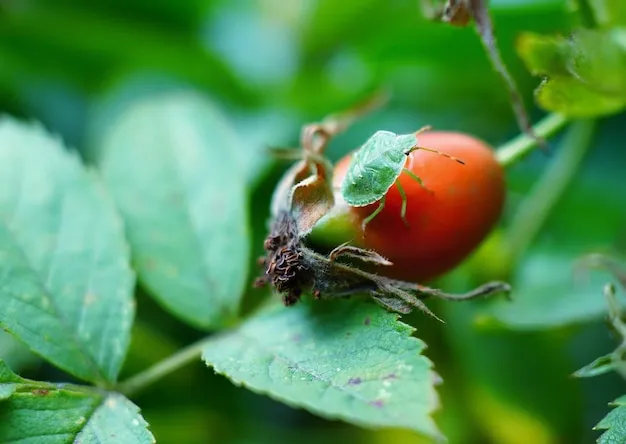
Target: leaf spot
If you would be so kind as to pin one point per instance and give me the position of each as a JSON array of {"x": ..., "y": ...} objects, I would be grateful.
[
  {"x": 367, "y": 321},
  {"x": 378, "y": 403},
  {"x": 40, "y": 392},
  {"x": 354, "y": 381}
]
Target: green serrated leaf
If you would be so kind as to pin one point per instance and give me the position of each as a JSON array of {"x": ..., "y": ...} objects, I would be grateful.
[
  {"x": 61, "y": 416},
  {"x": 614, "y": 423},
  {"x": 352, "y": 361},
  {"x": 548, "y": 292},
  {"x": 66, "y": 288},
  {"x": 573, "y": 99},
  {"x": 15, "y": 353},
  {"x": 115, "y": 420},
  {"x": 7, "y": 375},
  {"x": 40, "y": 412},
  {"x": 609, "y": 13},
  {"x": 598, "y": 60},
  {"x": 173, "y": 166},
  {"x": 544, "y": 54},
  {"x": 583, "y": 73}
]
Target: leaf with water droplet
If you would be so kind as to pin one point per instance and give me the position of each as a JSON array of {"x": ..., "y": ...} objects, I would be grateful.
[{"x": 339, "y": 359}]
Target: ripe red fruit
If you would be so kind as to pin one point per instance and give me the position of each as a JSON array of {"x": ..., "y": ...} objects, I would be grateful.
[{"x": 448, "y": 217}]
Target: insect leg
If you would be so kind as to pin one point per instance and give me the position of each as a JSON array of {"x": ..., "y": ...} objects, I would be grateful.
[
  {"x": 416, "y": 178},
  {"x": 371, "y": 217},
  {"x": 403, "y": 196}
]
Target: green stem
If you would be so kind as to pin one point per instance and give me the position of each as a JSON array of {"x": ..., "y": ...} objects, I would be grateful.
[
  {"x": 536, "y": 208},
  {"x": 161, "y": 369},
  {"x": 514, "y": 150}
]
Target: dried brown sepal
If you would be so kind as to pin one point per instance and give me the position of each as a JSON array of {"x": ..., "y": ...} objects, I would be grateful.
[
  {"x": 311, "y": 199},
  {"x": 457, "y": 13},
  {"x": 488, "y": 289},
  {"x": 305, "y": 188},
  {"x": 352, "y": 252},
  {"x": 392, "y": 304},
  {"x": 292, "y": 269},
  {"x": 460, "y": 13}
]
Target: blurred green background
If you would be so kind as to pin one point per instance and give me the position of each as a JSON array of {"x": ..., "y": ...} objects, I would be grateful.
[{"x": 272, "y": 66}]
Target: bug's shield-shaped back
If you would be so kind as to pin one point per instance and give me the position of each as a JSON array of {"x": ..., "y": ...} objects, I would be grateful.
[{"x": 375, "y": 167}]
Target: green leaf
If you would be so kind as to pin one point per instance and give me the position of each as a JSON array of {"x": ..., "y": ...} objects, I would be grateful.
[
  {"x": 583, "y": 74},
  {"x": 173, "y": 167},
  {"x": 544, "y": 54},
  {"x": 598, "y": 60},
  {"x": 8, "y": 381},
  {"x": 572, "y": 98},
  {"x": 614, "y": 423},
  {"x": 39, "y": 412},
  {"x": 15, "y": 353},
  {"x": 548, "y": 292},
  {"x": 66, "y": 288},
  {"x": 352, "y": 361},
  {"x": 7, "y": 376},
  {"x": 609, "y": 13},
  {"x": 116, "y": 419}
]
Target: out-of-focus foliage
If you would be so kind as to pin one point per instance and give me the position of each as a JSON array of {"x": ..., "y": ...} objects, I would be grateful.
[
  {"x": 266, "y": 68},
  {"x": 173, "y": 166},
  {"x": 66, "y": 281}
]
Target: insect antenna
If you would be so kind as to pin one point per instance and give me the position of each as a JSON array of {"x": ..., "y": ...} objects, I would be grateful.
[{"x": 432, "y": 150}]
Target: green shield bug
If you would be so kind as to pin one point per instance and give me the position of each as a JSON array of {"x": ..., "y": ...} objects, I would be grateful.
[{"x": 376, "y": 167}]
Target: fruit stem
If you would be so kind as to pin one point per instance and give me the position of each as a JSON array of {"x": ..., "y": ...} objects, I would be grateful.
[
  {"x": 163, "y": 368},
  {"x": 535, "y": 209},
  {"x": 518, "y": 147}
]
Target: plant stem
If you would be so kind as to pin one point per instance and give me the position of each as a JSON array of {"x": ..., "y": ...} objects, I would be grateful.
[
  {"x": 536, "y": 208},
  {"x": 514, "y": 150},
  {"x": 161, "y": 369}
]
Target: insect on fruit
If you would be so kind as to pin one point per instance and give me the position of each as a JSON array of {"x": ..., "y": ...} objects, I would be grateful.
[
  {"x": 447, "y": 223},
  {"x": 376, "y": 167}
]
